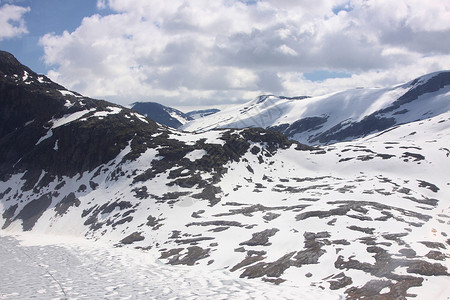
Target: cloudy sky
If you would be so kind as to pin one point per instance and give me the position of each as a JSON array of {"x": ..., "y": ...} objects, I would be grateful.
[{"x": 203, "y": 52}]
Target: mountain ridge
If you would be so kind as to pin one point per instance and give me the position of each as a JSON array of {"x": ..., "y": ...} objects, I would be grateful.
[{"x": 340, "y": 116}]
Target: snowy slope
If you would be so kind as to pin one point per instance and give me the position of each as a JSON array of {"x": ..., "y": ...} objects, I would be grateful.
[
  {"x": 341, "y": 116},
  {"x": 197, "y": 114},
  {"x": 355, "y": 219},
  {"x": 291, "y": 217}
]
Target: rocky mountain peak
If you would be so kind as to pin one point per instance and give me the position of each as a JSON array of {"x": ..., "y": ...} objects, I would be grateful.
[
  {"x": 9, "y": 65},
  {"x": 44, "y": 126}
]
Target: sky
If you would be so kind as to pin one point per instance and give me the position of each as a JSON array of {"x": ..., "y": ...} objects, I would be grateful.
[{"x": 212, "y": 53}]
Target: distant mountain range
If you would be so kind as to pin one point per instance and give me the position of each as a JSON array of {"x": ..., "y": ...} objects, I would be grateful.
[
  {"x": 169, "y": 116},
  {"x": 362, "y": 219},
  {"x": 340, "y": 116}
]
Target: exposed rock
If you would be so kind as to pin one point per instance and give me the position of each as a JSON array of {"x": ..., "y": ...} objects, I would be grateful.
[
  {"x": 67, "y": 202},
  {"x": 270, "y": 216},
  {"x": 209, "y": 193},
  {"x": 308, "y": 256},
  {"x": 409, "y": 253},
  {"x": 370, "y": 290},
  {"x": 31, "y": 212},
  {"x": 365, "y": 230},
  {"x": 194, "y": 254},
  {"x": 249, "y": 210},
  {"x": 425, "y": 268},
  {"x": 248, "y": 260},
  {"x": 8, "y": 214},
  {"x": 197, "y": 214},
  {"x": 121, "y": 221},
  {"x": 193, "y": 241},
  {"x": 154, "y": 222},
  {"x": 141, "y": 193},
  {"x": 416, "y": 156},
  {"x": 436, "y": 255},
  {"x": 425, "y": 200},
  {"x": 273, "y": 269},
  {"x": 219, "y": 229},
  {"x": 434, "y": 245},
  {"x": 341, "y": 280},
  {"x": 323, "y": 214},
  {"x": 428, "y": 185},
  {"x": 134, "y": 237},
  {"x": 215, "y": 223},
  {"x": 261, "y": 238},
  {"x": 171, "y": 252}
]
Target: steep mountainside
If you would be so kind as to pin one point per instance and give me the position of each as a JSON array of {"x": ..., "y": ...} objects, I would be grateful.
[
  {"x": 363, "y": 218},
  {"x": 162, "y": 114},
  {"x": 341, "y": 116}
]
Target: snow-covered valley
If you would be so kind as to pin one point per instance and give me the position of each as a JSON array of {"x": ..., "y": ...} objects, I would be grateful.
[{"x": 231, "y": 213}]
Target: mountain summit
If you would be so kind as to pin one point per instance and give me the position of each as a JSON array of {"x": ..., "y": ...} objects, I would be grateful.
[{"x": 365, "y": 218}]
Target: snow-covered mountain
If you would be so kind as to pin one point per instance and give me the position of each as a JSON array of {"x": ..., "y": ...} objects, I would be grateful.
[
  {"x": 340, "y": 116},
  {"x": 363, "y": 218},
  {"x": 169, "y": 116},
  {"x": 162, "y": 114}
]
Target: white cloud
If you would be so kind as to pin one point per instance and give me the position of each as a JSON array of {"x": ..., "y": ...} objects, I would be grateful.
[
  {"x": 201, "y": 51},
  {"x": 101, "y": 4},
  {"x": 12, "y": 23}
]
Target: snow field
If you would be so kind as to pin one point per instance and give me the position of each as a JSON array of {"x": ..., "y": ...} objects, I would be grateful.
[{"x": 45, "y": 267}]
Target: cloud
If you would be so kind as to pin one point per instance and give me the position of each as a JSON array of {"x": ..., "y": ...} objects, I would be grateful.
[
  {"x": 184, "y": 52},
  {"x": 12, "y": 22}
]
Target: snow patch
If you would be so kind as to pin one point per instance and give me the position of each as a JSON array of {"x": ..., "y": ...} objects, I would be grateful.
[
  {"x": 140, "y": 117},
  {"x": 25, "y": 75},
  {"x": 176, "y": 116},
  {"x": 48, "y": 135},
  {"x": 111, "y": 110},
  {"x": 71, "y": 117},
  {"x": 68, "y": 104},
  {"x": 68, "y": 93},
  {"x": 196, "y": 154}
]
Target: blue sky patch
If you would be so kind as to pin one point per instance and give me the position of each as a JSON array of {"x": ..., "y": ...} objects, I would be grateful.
[
  {"x": 321, "y": 75},
  {"x": 344, "y": 7},
  {"x": 46, "y": 16}
]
